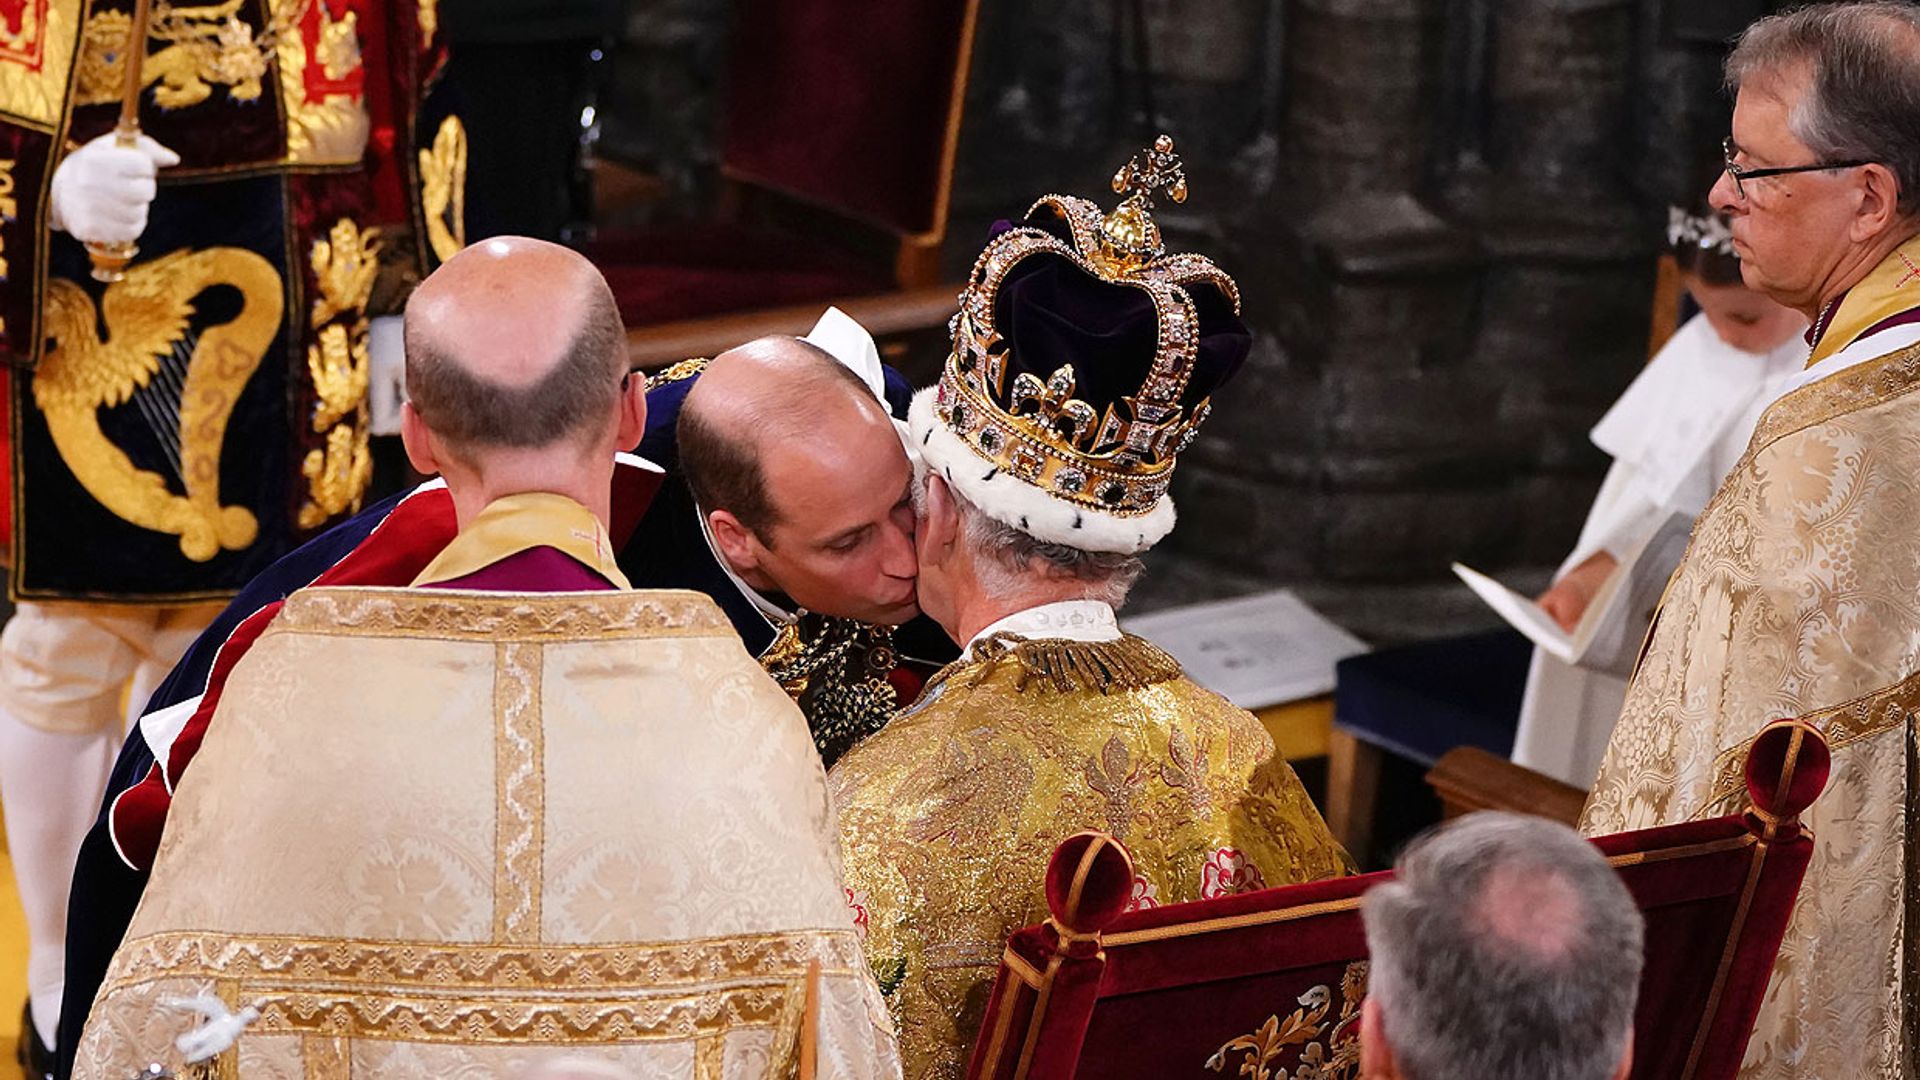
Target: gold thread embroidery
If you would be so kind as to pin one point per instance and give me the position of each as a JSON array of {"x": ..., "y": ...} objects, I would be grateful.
[
  {"x": 337, "y": 475},
  {"x": 520, "y": 779},
  {"x": 338, "y": 49},
  {"x": 9, "y": 211},
  {"x": 443, "y": 189},
  {"x": 370, "y": 612},
  {"x": 1862, "y": 386},
  {"x": 337, "y": 362},
  {"x": 355, "y": 964},
  {"x": 345, "y": 264},
  {"x": 147, "y": 318},
  {"x": 1062, "y": 667},
  {"x": 207, "y": 46},
  {"x": 709, "y": 1054},
  {"x": 35, "y": 61},
  {"x": 323, "y": 128},
  {"x": 451, "y": 993},
  {"x": 1337, "y": 1057}
]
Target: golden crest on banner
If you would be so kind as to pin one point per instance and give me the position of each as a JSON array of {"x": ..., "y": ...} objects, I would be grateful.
[
  {"x": 345, "y": 264},
  {"x": 36, "y": 53},
  {"x": 443, "y": 188},
  {"x": 327, "y": 118},
  {"x": 204, "y": 47},
  {"x": 185, "y": 386}
]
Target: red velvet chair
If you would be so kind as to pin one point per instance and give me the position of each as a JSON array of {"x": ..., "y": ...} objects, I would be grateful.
[
  {"x": 1269, "y": 984},
  {"x": 840, "y": 127}
]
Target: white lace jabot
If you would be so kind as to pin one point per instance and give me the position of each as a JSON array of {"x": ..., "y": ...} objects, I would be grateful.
[{"x": 1073, "y": 620}]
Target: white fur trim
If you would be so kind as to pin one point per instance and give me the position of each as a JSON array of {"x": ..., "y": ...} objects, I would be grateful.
[{"x": 1013, "y": 501}]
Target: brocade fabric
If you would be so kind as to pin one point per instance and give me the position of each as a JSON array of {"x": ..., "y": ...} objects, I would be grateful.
[
  {"x": 439, "y": 834},
  {"x": 1799, "y": 596},
  {"x": 949, "y": 815}
]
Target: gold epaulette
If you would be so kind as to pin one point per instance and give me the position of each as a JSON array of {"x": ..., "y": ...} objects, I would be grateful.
[
  {"x": 1055, "y": 665},
  {"x": 685, "y": 369}
]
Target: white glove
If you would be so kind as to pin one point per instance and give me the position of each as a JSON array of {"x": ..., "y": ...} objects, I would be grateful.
[{"x": 101, "y": 191}]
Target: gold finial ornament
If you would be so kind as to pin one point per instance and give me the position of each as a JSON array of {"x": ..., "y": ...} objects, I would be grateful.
[{"x": 1129, "y": 236}]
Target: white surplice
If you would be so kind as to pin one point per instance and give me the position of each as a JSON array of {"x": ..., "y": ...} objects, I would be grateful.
[{"x": 1673, "y": 436}]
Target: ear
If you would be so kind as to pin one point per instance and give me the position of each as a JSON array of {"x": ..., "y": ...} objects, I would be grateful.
[
  {"x": 1879, "y": 203},
  {"x": 633, "y": 411},
  {"x": 736, "y": 542},
  {"x": 939, "y": 530},
  {"x": 1376, "y": 1057},
  {"x": 417, "y": 441}
]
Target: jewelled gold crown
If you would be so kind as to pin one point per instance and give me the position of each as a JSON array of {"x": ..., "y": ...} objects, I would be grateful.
[{"x": 1120, "y": 459}]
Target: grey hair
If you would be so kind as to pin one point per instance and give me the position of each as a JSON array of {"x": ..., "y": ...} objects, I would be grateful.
[
  {"x": 1007, "y": 559},
  {"x": 1504, "y": 946},
  {"x": 1863, "y": 100}
]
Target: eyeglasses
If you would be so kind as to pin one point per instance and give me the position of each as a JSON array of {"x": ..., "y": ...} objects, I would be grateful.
[{"x": 1742, "y": 174}]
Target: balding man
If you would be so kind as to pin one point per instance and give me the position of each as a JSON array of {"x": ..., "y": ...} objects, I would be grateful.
[
  {"x": 1797, "y": 595},
  {"x": 520, "y": 752},
  {"x": 1505, "y": 946},
  {"x": 519, "y": 398},
  {"x": 794, "y": 517},
  {"x": 659, "y": 540}
]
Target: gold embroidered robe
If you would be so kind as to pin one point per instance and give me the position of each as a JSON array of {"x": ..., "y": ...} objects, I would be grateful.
[
  {"x": 522, "y": 825},
  {"x": 1799, "y": 596},
  {"x": 949, "y": 814}
]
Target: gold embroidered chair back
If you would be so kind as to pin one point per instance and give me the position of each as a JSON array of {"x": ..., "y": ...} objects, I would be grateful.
[{"x": 434, "y": 833}]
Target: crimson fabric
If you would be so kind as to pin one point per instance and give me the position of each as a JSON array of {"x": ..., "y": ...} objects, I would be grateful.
[
  {"x": 696, "y": 269},
  {"x": 1803, "y": 780},
  {"x": 845, "y": 103},
  {"x": 1086, "y": 896},
  {"x": 1166, "y": 1007},
  {"x": 29, "y": 156}
]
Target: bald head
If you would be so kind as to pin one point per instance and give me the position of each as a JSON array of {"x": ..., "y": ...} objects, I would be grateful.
[
  {"x": 514, "y": 342},
  {"x": 772, "y": 391}
]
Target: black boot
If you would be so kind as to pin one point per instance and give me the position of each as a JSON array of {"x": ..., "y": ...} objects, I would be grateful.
[{"x": 35, "y": 1057}]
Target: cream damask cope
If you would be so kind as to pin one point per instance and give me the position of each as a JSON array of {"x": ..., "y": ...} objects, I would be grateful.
[
  {"x": 949, "y": 814},
  {"x": 434, "y": 834},
  {"x": 1799, "y": 596}
]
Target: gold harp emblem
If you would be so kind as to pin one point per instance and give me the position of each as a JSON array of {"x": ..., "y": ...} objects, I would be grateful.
[{"x": 194, "y": 387}]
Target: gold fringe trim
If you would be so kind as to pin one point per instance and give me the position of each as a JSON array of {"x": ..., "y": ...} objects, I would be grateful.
[{"x": 1054, "y": 665}]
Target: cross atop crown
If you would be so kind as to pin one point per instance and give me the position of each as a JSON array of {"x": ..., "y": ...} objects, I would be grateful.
[{"x": 1160, "y": 169}]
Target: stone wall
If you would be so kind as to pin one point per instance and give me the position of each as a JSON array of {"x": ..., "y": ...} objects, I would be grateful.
[{"x": 1443, "y": 214}]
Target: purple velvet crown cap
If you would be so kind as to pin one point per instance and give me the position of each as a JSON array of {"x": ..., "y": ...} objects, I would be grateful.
[{"x": 1050, "y": 312}]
